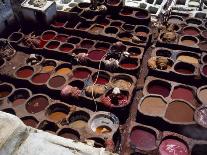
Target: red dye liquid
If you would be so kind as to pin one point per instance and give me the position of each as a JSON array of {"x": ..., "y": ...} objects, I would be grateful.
[
  {"x": 30, "y": 122},
  {"x": 101, "y": 80},
  {"x": 61, "y": 38},
  {"x": 58, "y": 24},
  {"x": 205, "y": 70},
  {"x": 42, "y": 43},
  {"x": 184, "y": 71},
  {"x": 173, "y": 147},
  {"x": 52, "y": 45},
  {"x": 128, "y": 65},
  {"x": 66, "y": 48},
  {"x": 82, "y": 74},
  {"x": 37, "y": 104},
  {"x": 159, "y": 89},
  {"x": 183, "y": 93},
  {"x": 190, "y": 31},
  {"x": 96, "y": 54},
  {"x": 41, "y": 78},
  {"x": 24, "y": 73},
  {"x": 86, "y": 44},
  {"x": 143, "y": 140},
  {"x": 48, "y": 36}
]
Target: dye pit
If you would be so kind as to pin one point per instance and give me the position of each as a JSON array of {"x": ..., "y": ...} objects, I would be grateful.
[{"x": 113, "y": 76}]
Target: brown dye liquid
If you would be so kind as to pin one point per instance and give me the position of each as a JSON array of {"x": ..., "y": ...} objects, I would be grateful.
[
  {"x": 69, "y": 136},
  {"x": 153, "y": 106},
  {"x": 57, "y": 81},
  {"x": 188, "y": 42},
  {"x": 18, "y": 101},
  {"x": 57, "y": 116},
  {"x": 179, "y": 111},
  {"x": 103, "y": 129},
  {"x": 188, "y": 59},
  {"x": 24, "y": 73},
  {"x": 47, "y": 69},
  {"x": 37, "y": 104},
  {"x": 64, "y": 71},
  {"x": 41, "y": 78},
  {"x": 203, "y": 96},
  {"x": 79, "y": 124},
  {"x": 4, "y": 93},
  {"x": 97, "y": 29}
]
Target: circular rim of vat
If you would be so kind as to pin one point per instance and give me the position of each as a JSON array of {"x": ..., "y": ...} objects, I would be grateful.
[
  {"x": 179, "y": 123},
  {"x": 10, "y": 92},
  {"x": 191, "y": 27},
  {"x": 75, "y": 40},
  {"x": 39, "y": 83},
  {"x": 68, "y": 130},
  {"x": 146, "y": 29},
  {"x": 115, "y": 4},
  {"x": 137, "y": 63},
  {"x": 2, "y": 63},
  {"x": 205, "y": 31},
  {"x": 82, "y": 68},
  {"x": 84, "y": 41},
  {"x": 20, "y": 37},
  {"x": 125, "y": 25},
  {"x": 146, "y": 129},
  {"x": 164, "y": 82},
  {"x": 196, "y": 115},
  {"x": 83, "y": 26},
  {"x": 174, "y": 137},
  {"x": 11, "y": 111},
  {"x": 34, "y": 96},
  {"x": 30, "y": 117},
  {"x": 177, "y": 17},
  {"x": 109, "y": 29},
  {"x": 58, "y": 43},
  {"x": 18, "y": 90},
  {"x": 168, "y": 55},
  {"x": 99, "y": 51},
  {"x": 80, "y": 113},
  {"x": 57, "y": 107},
  {"x": 23, "y": 67},
  {"x": 39, "y": 57},
  {"x": 51, "y": 62},
  {"x": 188, "y": 37},
  {"x": 193, "y": 18},
  {"x": 43, "y": 124},
  {"x": 153, "y": 95},
  {"x": 124, "y": 77},
  {"x": 63, "y": 45},
  {"x": 63, "y": 65},
  {"x": 59, "y": 87},
  {"x": 198, "y": 94},
  {"x": 107, "y": 115},
  {"x": 103, "y": 74},
  {"x": 48, "y": 31},
  {"x": 122, "y": 91},
  {"x": 185, "y": 74}
]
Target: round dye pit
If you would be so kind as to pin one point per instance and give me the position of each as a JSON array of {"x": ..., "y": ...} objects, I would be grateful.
[
  {"x": 57, "y": 116},
  {"x": 69, "y": 134},
  {"x": 102, "y": 79},
  {"x": 5, "y": 90},
  {"x": 192, "y": 31},
  {"x": 48, "y": 66},
  {"x": 66, "y": 48},
  {"x": 53, "y": 44},
  {"x": 63, "y": 71},
  {"x": 57, "y": 81},
  {"x": 141, "y": 14},
  {"x": 81, "y": 73},
  {"x": 204, "y": 70},
  {"x": 184, "y": 93},
  {"x": 103, "y": 22},
  {"x": 96, "y": 55},
  {"x": 159, "y": 87},
  {"x": 97, "y": 29},
  {"x": 188, "y": 59},
  {"x": 179, "y": 112},
  {"x": 40, "y": 78},
  {"x": 142, "y": 31},
  {"x": 36, "y": 104},
  {"x": 202, "y": 95},
  {"x": 24, "y": 72},
  {"x": 173, "y": 147},
  {"x": 48, "y": 35},
  {"x": 194, "y": 21},
  {"x": 78, "y": 120},
  {"x": 74, "y": 40},
  {"x": 125, "y": 36},
  {"x": 134, "y": 51},
  {"x": 48, "y": 127},
  {"x": 189, "y": 40},
  {"x": 102, "y": 46},
  {"x": 128, "y": 64},
  {"x": 19, "y": 97},
  {"x": 87, "y": 44},
  {"x": 62, "y": 38},
  {"x": 48, "y": 69},
  {"x": 184, "y": 68},
  {"x": 143, "y": 139},
  {"x": 30, "y": 121},
  {"x": 153, "y": 105}
]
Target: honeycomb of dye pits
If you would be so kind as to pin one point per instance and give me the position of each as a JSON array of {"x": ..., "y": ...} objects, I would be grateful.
[
  {"x": 48, "y": 35},
  {"x": 189, "y": 40},
  {"x": 57, "y": 81},
  {"x": 48, "y": 66},
  {"x": 81, "y": 73},
  {"x": 78, "y": 120},
  {"x": 104, "y": 123},
  {"x": 69, "y": 134},
  {"x": 153, "y": 105},
  {"x": 15, "y": 37},
  {"x": 40, "y": 78},
  {"x": 159, "y": 87},
  {"x": 30, "y": 121},
  {"x": 63, "y": 69},
  {"x": 101, "y": 78},
  {"x": 191, "y": 31},
  {"x": 172, "y": 146},
  {"x": 184, "y": 68},
  {"x": 19, "y": 97},
  {"x": 143, "y": 138},
  {"x": 24, "y": 72},
  {"x": 57, "y": 112},
  {"x": 48, "y": 126},
  {"x": 5, "y": 90},
  {"x": 122, "y": 81},
  {"x": 37, "y": 104},
  {"x": 179, "y": 111}
]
